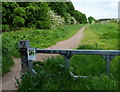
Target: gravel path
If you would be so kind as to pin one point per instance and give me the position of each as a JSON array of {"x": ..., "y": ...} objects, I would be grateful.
[{"x": 8, "y": 80}]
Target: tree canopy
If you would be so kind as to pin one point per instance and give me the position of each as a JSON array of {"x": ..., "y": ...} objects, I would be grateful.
[
  {"x": 91, "y": 19},
  {"x": 39, "y": 15}
]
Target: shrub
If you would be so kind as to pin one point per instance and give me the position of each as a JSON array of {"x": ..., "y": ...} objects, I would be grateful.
[
  {"x": 56, "y": 20},
  {"x": 37, "y": 13},
  {"x": 20, "y": 11},
  {"x": 18, "y": 21},
  {"x": 5, "y": 28},
  {"x": 70, "y": 19}
]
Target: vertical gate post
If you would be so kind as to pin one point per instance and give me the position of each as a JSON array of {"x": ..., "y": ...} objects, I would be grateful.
[
  {"x": 23, "y": 45},
  {"x": 108, "y": 64},
  {"x": 108, "y": 58},
  {"x": 67, "y": 58}
]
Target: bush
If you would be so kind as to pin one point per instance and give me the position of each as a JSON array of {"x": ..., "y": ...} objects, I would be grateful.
[
  {"x": 37, "y": 15},
  {"x": 18, "y": 21},
  {"x": 70, "y": 19},
  {"x": 7, "y": 61},
  {"x": 56, "y": 20},
  {"x": 20, "y": 11},
  {"x": 51, "y": 75},
  {"x": 5, "y": 28}
]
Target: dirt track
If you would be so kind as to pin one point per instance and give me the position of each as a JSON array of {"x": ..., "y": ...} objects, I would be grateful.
[{"x": 8, "y": 80}]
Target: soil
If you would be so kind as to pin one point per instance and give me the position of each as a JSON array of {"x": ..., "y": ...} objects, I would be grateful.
[{"x": 8, "y": 80}]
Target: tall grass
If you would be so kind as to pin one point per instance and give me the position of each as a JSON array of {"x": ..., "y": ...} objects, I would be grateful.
[
  {"x": 38, "y": 38},
  {"x": 0, "y": 54},
  {"x": 52, "y": 75}
]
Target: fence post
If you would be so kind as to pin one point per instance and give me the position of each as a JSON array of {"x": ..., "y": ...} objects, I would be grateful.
[
  {"x": 23, "y": 45},
  {"x": 108, "y": 58},
  {"x": 67, "y": 59}
]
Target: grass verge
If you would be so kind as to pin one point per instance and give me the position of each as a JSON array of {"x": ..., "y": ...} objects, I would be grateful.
[
  {"x": 52, "y": 75},
  {"x": 38, "y": 39}
]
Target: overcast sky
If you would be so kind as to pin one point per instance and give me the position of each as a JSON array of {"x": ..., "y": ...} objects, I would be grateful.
[{"x": 97, "y": 8}]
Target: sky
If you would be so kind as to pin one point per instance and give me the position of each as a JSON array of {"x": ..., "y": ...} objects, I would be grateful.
[{"x": 97, "y": 8}]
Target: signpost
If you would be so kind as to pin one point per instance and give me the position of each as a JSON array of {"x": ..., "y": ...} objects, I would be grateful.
[{"x": 31, "y": 53}]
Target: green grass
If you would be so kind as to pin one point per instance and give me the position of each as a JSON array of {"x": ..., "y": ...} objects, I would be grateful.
[
  {"x": 105, "y": 36},
  {"x": 0, "y": 54},
  {"x": 38, "y": 39},
  {"x": 52, "y": 75}
]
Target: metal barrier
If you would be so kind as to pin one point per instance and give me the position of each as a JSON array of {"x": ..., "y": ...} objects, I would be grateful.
[{"x": 28, "y": 54}]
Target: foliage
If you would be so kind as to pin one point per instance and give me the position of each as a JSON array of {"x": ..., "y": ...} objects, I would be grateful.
[
  {"x": 0, "y": 54},
  {"x": 80, "y": 18},
  {"x": 68, "y": 12},
  {"x": 5, "y": 28},
  {"x": 91, "y": 19},
  {"x": 56, "y": 20},
  {"x": 70, "y": 19},
  {"x": 84, "y": 19},
  {"x": 18, "y": 21},
  {"x": 38, "y": 38},
  {"x": 7, "y": 47},
  {"x": 59, "y": 7},
  {"x": 37, "y": 13},
  {"x": 52, "y": 75},
  {"x": 40, "y": 15},
  {"x": 7, "y": 12}
]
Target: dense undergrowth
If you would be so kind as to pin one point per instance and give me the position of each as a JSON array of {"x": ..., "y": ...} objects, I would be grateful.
[
  {"x": 38, "y": 39},
  {"x": 52, "y": 75}
]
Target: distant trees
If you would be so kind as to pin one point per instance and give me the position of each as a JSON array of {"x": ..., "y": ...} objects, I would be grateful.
[
  {"x": 91, "y": 19},
  {"x": 37, "y": 15},
  {"x": 8, "y": 14},
  {"x": 20, "y": 14},
  {"x": 64, "y": 10},
  {"x": 41, "y": 15}
]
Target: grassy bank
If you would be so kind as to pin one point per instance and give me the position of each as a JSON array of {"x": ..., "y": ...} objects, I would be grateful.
[
  {"x": 102, "y": 36},
  {"x": 38, "y": 39},
  {"x": 52, "y": 76}
]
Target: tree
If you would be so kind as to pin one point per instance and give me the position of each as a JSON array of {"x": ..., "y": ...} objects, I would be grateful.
[
  {"x": 84, "y": 19},
  {"x": 37, "y": 15},
  {"x": 7, "y": 12},
  {"x": 77, "y": 15},
  {"x": 91, "y": 19}
]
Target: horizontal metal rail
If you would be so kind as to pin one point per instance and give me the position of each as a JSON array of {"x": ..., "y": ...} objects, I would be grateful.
[{"x": 85, "y": 52}]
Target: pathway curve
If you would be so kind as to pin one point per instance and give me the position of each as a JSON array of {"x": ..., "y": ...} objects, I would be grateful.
[{"x": 8, "y": 80}]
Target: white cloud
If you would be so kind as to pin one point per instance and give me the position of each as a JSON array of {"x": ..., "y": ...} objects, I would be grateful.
[
  {"x": 95, "y": 1},
  {"x": 98, "y": 9},
  {"x": 114, "y": 5}
]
